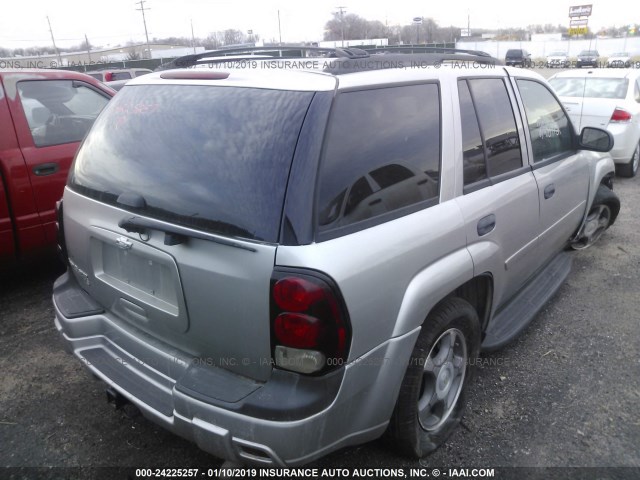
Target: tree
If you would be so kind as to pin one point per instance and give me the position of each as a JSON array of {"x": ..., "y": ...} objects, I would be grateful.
[
  {"x": 213, "y": 41},
  {"x": 354, "y": 28},
  {"x": 426, "y": 32},
  {"x": 233, "y": 37},
  {"x": 133, "y": 55}
]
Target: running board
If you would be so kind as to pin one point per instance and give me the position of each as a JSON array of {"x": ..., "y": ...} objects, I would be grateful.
[{"x": 514, "y": 317}]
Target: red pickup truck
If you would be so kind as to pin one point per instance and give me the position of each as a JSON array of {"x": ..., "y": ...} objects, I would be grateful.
[{"x": 44, "y": 115}]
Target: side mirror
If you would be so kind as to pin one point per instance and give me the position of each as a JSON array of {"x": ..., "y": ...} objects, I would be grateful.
[{"x": 595, "y": 139}]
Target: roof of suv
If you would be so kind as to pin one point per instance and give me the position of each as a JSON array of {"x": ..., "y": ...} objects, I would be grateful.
[
  {"x": 316, "y": 80},
  {"x": 344, "y": 69}
]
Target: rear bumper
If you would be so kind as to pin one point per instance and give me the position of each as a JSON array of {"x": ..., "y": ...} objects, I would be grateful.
[
  {"x": 625, "y": 140},
  {"x": 288, "y": 420}
]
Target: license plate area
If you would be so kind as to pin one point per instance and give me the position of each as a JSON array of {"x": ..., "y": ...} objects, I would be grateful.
[{"x": 132, "y": 273}]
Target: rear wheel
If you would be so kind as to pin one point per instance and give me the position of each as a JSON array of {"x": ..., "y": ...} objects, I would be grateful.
[
  {"x": 431, "y": 399},
  {"x": 603, "y": 213},
  {"x": 630, "y": 169}
]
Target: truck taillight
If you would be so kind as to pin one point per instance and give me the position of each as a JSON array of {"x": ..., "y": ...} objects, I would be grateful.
[
  {"x": 620, "y": 116},
  {"x": 62, "y": 245},
  {"x": 309, "y": 326}
]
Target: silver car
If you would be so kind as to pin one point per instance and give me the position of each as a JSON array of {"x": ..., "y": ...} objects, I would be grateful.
[{"x": 276, "y": 264}]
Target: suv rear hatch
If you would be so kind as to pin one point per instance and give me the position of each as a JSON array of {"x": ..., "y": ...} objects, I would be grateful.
[{"x": 173, "y": 211}]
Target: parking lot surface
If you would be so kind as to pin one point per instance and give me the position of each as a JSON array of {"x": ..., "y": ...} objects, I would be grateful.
[{"x": 565, "y": 394}]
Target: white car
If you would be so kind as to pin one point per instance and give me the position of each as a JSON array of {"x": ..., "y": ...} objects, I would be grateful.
[
  {"x": 557, "y": 59},
  {"x": 605, "y": 99},
  {"x": 620, "y": 59}
]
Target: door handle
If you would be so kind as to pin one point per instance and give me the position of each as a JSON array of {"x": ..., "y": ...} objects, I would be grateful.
[
  {"x": 486, "y": 225},
  {"x": 45, "y": 169},
  {"x": 549, "y": 190}
]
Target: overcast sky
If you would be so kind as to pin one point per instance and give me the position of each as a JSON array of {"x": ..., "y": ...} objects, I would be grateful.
[{"x": 111, "y": 22}]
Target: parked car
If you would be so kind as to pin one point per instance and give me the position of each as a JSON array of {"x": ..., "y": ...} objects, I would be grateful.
[
  {"x": 518, "y": 57},
  {"x": 620, "y": 59},
  {"x": 588, "y": 58},
  {"x": 557, "y": 59},
  {"x": 44, "y": 115},
  {"x": 277, "y": 264},
  {"x": 606, "y": 99},
  {"x": 112, "y": 74}
]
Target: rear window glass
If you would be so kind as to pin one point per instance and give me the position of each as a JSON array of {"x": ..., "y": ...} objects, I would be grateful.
[
  {"x": 590, "y": 87},
  {"x": 212, "y": 158},
  {"x": 120, "y": 76}
]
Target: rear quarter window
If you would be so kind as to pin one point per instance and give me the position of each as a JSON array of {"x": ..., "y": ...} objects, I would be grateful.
[{"x": 382, "y": 157}]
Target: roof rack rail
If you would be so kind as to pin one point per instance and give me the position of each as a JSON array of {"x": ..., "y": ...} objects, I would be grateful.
[
  {"x": 424, "y": 49},
  {"x": 394, "y": 59},
  {"x": 218, "y": 56},
  {"x": 340, "y": 61}
]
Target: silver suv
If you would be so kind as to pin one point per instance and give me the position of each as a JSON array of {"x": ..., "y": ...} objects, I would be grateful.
[{"x": 276, "y": 264}]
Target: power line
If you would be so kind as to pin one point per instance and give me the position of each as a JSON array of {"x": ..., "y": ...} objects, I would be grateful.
[
  {"x": 193, "y": 38},
  {"x": 144, "y": 21},
  {"x": 54, "y": 42},
  {"x": 88, "y": 46},
  {"x": 342, "y": 10}
]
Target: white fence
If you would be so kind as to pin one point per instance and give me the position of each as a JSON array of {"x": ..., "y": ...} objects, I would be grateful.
[{"x": 605, "y": 47}]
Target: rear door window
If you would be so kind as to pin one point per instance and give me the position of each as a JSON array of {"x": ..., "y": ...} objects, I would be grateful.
[
  {"x": 382, "y": 156},
  {"x": 497, "y": 125},
  {"x": 212, "y": 158},
  {"x": 473, "y": 156}
]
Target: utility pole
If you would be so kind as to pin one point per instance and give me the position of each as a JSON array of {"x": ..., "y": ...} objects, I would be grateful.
[
  {"x": 54, "y": 43},
  {"x": 144, "y": 21},
  {"x": 193, "y": 38},
  {"x": 342, "y": 9},
  {"x": 86, "y": 40},
  {"x": 279, "y": 28}
]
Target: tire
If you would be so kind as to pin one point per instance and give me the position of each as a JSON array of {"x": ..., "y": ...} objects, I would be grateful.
[
  {"x": 603, "y": 213},
  {"x": 439, "y": 367},
  {"x": 630, "y": 169}
]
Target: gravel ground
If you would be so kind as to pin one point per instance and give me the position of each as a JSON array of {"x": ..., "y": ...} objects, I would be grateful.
[{"x": 565, "y": 394}]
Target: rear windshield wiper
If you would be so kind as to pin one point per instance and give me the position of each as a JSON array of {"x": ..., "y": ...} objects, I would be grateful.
[{"x": 174, "y": 234}]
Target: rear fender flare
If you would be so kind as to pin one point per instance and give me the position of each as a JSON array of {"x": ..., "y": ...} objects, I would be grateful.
[{"x": 429, "y": 286}]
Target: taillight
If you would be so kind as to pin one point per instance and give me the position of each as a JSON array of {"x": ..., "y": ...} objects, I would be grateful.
[
  {"x": 297, "y": 330},
  {"x": 62, "y": 245},
  {"x": 309, "y": 326},
  {"x": 620, "y": 115}
]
